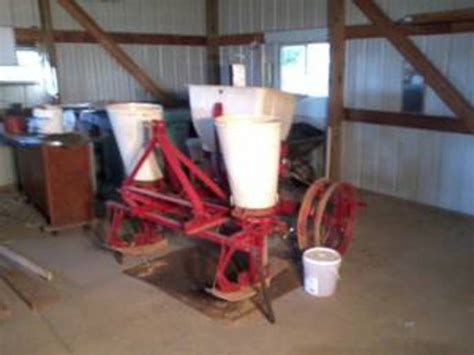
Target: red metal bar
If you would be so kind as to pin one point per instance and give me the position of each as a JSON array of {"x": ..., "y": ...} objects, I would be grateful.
[
  {"x": 201, "y": 175},
  {"x": 159, "y": 132},
  {"x": 148, "y": 150},
  {"x": 174, "y": 198},
  {"x": 197, "y": 225}
]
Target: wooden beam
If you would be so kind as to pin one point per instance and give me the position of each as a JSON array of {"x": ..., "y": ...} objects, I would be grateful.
[
  {"x": 47, "y": 30},
  {"x": 25, "y": 263},
  {"x": 438, "y": 82},
  {"x": 336, "y": 26},
  {"x": 107, "y": 42},
  {"x": 28, "y": 36},
  {"x": 48, "y": 42},
  {"x": 239, "y": 39},
  {"x": 32, "y": 35},
  {"x": 459, "y": 15},
  {"x": 5, "y": 311},
  {"x": 371, "y": 31},
  {"x": 36, "y": 293},
  {"x": 406, "y": 120},
  {"x": 212, "y": 31}
]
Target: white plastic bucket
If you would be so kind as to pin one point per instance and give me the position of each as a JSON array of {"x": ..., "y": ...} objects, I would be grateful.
[
  {"x": 250, "y": 146},
  {"x": 48, "y": 119},
  {"x": 127, "y": 120},
  {"x": 321, "y": 271}
]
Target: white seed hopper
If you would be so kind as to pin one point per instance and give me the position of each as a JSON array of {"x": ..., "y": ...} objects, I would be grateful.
[
  {"x": 127, "y": 120},
  {"x": 257, "y": 101},
  {"x": 250, "y": 145}
]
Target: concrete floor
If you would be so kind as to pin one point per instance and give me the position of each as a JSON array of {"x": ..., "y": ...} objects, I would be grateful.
[{"x": 407, "y": 287}]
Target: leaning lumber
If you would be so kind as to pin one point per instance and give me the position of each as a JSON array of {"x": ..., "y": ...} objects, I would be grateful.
[{"x": 25, "y": 263}]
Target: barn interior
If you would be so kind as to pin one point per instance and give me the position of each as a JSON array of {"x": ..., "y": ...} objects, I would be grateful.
[{"x": 236, "y": 177}]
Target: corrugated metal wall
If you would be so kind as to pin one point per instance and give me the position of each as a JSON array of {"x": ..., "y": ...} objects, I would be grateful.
[
  {"x": 429, "y": 167},
  {"x": 87, "y": 73},
  {"x": 240, "y": 16}
]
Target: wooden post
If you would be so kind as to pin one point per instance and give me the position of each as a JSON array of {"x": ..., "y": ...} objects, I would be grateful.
[
  {"x": 107, "y": 42},
  {"x": 336, "y": 25},
  {"x": 440, "y": 84},
  {"x": 212, "y": 31},
  {"x": 47, "y": 30}
]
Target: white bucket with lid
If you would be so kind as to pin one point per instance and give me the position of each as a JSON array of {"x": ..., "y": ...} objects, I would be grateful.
[
  {"x": 127, "y": 120},
  {"x": 321, "y": 271},
  {"x": 250, "y": 145},
  {"x": 48, "y": 119}
]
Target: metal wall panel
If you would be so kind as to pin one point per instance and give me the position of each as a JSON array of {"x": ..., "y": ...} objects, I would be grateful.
[
  {"x": 19, "y": 13},
  {"x": 154, "y": 16},
  {"x": 248, "y": 55},
  {"x": 94, "y": 75},
  {"x": 429, "y": 167},
  {"x": 239, "y": 16},
  {"x": 88, "y": 73}
]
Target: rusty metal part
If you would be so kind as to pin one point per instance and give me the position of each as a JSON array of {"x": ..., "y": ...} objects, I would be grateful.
[
  {"x": 327, "y": 215},
  {"x": 243, "y": 213},
  {"x": 142, "y": 250},
  {"x": 305, "y": 229},
  {"x": 335, "y": 217},
  {"x": 242, "y": 294}
]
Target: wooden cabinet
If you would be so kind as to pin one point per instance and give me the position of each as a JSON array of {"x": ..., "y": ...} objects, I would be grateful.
[{"x": 58, "y": 180}]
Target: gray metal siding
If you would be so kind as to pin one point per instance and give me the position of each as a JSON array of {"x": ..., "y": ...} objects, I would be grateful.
[
  {"x": 154, "y": 16},
  {"x": 238, "y": 16},
  {"x": 429, "y": 167},
  {"x": 88, "y": 73}
]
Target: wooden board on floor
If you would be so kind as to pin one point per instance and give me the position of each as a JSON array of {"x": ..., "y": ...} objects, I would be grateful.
[
  {"x": 184, "y": 274},
  {"x": 5, "y": 311},
  {"x": 36, "y": 293}
]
